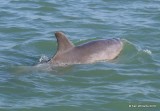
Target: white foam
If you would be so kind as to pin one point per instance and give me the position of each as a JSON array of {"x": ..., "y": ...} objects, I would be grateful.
[
  {"x": 43, "y": 59},
  {"x": 147, "y": 51}
]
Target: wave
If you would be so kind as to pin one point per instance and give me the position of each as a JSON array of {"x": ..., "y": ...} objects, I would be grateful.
[{"x": 133, "y": 53}]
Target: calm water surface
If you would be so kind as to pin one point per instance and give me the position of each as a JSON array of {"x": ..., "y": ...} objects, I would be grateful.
[{"x": 130, "y": 82}]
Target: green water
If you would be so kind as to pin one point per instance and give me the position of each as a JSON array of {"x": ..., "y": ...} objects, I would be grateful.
[{"x": 131, "y": 82}]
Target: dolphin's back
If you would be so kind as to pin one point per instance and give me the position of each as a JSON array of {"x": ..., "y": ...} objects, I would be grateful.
[
  {"x": 99, "y": 50},
  {"x": 90, "y": 52}
]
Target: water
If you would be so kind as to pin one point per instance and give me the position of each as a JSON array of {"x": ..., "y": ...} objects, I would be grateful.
[{"x": 130, "y": 82}]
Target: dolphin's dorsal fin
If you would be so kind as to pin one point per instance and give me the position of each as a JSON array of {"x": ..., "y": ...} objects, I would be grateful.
[{"x": 63, "y": 43}]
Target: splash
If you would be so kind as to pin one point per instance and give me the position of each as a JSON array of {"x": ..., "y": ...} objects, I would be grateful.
[
  {"x": 147, "y": 51},
  {"x": 43, "y": 59}
]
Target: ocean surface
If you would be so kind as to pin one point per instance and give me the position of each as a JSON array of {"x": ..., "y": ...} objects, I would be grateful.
[{"x": 131, "y": 82}]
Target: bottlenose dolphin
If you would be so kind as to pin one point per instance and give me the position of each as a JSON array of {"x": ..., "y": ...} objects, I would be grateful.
[{"x": 68, "y": 54}]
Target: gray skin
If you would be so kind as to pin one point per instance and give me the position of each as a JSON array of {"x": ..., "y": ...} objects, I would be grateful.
[{"x": 90, "y": 52}]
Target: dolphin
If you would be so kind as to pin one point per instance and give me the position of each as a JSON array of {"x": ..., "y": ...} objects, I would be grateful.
[{"x": 98, "y": 50}]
